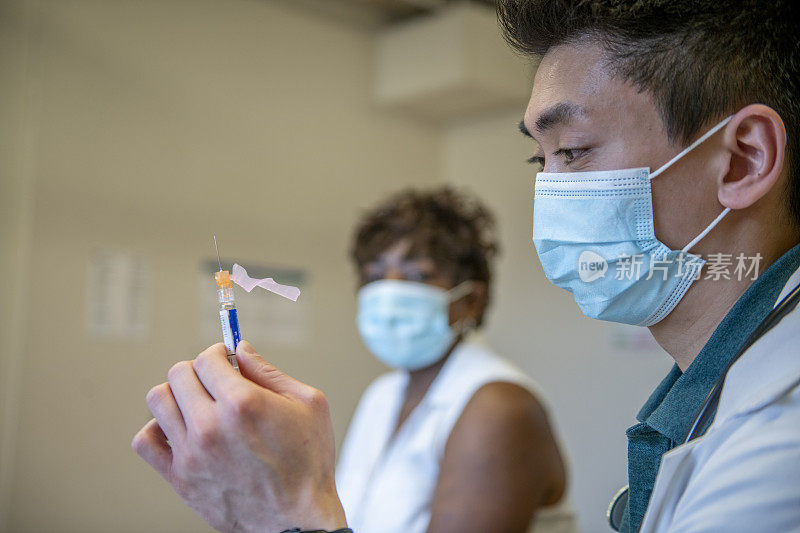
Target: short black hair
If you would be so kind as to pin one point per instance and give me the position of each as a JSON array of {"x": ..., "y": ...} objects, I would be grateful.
[
  {"x": 451, "y": 228},
  {"x": 701, "y": 60}
]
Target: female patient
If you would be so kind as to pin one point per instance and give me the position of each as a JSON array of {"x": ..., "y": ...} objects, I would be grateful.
[{"x": 455, "y": 438}]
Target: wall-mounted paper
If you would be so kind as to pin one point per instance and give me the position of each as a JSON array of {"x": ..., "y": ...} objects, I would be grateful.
[{"x": 118, "y": 295}]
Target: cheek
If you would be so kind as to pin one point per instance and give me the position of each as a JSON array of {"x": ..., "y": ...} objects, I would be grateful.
[
  {"x": 622, "y": 152},
  {"x": 669, "y": 212},
  {"x": 684, "y": 197}
]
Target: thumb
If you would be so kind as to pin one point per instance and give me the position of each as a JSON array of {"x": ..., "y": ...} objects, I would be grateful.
[{"x": 256, "y": 369}]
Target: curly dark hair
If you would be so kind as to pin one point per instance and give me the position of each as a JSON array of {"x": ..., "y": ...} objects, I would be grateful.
[
  {"x": 451, "y": 228},
  {"x": 700, "y": 59}
]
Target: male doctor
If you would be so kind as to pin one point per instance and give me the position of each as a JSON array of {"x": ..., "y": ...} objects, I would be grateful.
[{"x": 667, "y": 132}]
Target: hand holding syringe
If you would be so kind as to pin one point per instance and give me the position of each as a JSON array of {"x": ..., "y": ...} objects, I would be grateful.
[{"x": 228, "y": 317}]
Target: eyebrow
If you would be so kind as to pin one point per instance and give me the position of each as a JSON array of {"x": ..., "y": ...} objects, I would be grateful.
[{"x": 561, "y": 113}]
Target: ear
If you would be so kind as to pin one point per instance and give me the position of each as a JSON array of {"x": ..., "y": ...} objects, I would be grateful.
[
  {"x": 471, "y": 306},
  {"x": 755, "y": 138},
  {"x": 478, "y": 299}
]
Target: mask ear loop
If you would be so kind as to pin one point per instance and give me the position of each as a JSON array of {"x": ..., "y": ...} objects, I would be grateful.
[
  {"x": 467, "y": 325},
  {"x": 683, "y": 152},
  {"x": 461, "y": 290},
  {"x": 705, "y": 231},
  {"x": 456, "y": 293}
]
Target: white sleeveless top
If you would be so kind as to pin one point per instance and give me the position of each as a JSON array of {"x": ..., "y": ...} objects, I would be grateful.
[{"x": 387, "y": 486}]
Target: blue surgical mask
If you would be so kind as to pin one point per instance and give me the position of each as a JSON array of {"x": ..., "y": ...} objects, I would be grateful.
[
  {"x": 407, "y": 324},
  {"x": 595, "y": 237}
]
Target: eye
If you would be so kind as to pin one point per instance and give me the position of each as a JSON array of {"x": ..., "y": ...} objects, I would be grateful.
[
  {"x": 372, "y": 272},
  {"x": 537, "y": 160},
  {"x": 570, "y": 154},
  {"x": 419, "y": 276}
]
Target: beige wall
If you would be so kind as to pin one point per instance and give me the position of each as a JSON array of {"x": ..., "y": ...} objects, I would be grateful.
[
  {"x": 16, "y": 143},
  {"x": 157, "y": 123}
]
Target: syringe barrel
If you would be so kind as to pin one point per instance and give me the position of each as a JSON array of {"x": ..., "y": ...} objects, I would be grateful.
[{"x": 229, "y": 321}]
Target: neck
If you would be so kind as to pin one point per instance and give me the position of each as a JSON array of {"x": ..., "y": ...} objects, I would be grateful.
[
  {"x": 420, "y": 380},
  {"x": 418, "y": 384},
  {"x": 684, "y": 332}
]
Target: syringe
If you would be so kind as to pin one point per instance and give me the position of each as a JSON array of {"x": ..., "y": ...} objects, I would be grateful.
[{"x": 227, "y": 311}]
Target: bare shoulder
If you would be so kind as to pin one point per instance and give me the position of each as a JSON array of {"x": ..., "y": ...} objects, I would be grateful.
[
  {"x": 504, "y": 426},
  {"x": 503, "y": 404}
]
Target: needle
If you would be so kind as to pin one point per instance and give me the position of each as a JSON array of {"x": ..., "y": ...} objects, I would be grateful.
[{"x": 217, "y": 248}]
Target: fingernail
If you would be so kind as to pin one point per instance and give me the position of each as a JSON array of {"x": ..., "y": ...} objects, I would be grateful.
[{"x": 245, "y": 347}]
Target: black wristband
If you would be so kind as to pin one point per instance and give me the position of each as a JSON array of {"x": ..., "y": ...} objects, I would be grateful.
[{"x": 298, "y": 530}]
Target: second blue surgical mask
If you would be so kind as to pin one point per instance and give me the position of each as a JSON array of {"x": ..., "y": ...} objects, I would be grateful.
[
  {"x": 595, "y": 236},
  {"x": 407, "y": 324}
]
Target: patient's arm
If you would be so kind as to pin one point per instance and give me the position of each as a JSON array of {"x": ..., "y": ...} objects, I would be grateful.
[{"x": 500, "y": 464}]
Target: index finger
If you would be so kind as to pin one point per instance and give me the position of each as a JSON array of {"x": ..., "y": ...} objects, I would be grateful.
[{"x": 215, "y": 371}]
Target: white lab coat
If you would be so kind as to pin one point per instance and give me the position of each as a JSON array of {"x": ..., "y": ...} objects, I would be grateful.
[{"x": 743, "y": 475}]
